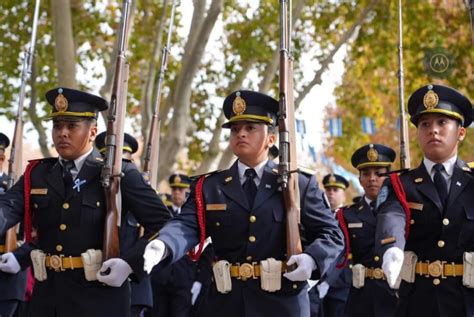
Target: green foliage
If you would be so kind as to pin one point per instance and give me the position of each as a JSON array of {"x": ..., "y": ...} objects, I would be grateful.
[{"x": 370, "y": 83}]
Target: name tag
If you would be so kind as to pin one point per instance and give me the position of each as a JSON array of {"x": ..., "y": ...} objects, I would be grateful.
[
  {"x": 39, "y": 191},
  {"x": 216, "y": 207},
  {"x": 415, "y": 206},
  {"x": 355, "y": 225}
]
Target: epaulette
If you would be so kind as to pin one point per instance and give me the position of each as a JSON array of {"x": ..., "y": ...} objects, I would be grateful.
[
  {"x": 306, "y": 171},
  {"x": 400, "y": 171},
  {"x": 196, "y": 177},
  {"x": 46, "y": 159}
]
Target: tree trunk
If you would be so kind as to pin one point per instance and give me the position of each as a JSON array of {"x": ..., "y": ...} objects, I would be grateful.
[
  {"x": 64, "y": 50},
  {"x": 175, "y": 139}
]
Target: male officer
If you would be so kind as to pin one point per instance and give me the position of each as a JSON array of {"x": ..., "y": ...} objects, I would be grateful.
[
  {"x": 335, "y": 188},
  {"x": 12, "y": 285},
  {"x": 62, "y": 202},
  {"x": 172, "y": 285},
  {"x": 334, "y": 290},
  {"x": 141, "y": 294},
  {"x": 436, "y": 229},
  {"x": 370, "y": 294},
  {"x": 245, "y": 218}
]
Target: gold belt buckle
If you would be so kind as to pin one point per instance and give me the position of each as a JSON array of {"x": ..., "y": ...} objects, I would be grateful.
[
  {"x": 56, "y": 262},
  {"x": 246, "y": 271},
  {"x": 377, "y": 273},
  {"x": 435, "y": 269}
]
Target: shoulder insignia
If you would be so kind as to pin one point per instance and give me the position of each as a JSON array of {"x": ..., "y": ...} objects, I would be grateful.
[
  {"x": 306, "y": 171},
  {"x": 400, "y": 171},
  {"x": 196, "y": 177},
  {"x": 228, "y": 179},
  {"x": 99, "y": 159},
  {"x": 361, "y": 207},
  {"x": 470, "y": 164},
  {"x": 275, "y": 171},
  {"x": 468, "y": 169},
  {"x": 418, "y": 180},
  {"x": 45, "y": 160},
  {"x": 388, "y": 240},
  {"x": 382, "y": 196}
]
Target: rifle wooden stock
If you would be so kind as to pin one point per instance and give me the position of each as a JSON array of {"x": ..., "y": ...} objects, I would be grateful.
[
  {"x": 287, "y": 133},
  {"x": 112, "y": 170},
  {"x": 14, "y": 166}
]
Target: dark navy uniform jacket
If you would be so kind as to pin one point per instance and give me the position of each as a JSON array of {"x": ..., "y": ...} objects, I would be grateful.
[
  {"x": 228, "y": 223},
  {"x": 12, "y": 285},
  {"x": 454, "y": 226},
  {"x": 375, "y": 298},
  {"x": 82, "y": 212},
  {"x": 129, "y": 235}
]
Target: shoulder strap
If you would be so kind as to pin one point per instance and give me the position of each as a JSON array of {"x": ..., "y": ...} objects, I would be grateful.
[
  {"x": 26, "y": 195},
  {"x": 201, "y": 217},
  {"x": 400, "y": 192},
  {"x": 345, "y": 231}
]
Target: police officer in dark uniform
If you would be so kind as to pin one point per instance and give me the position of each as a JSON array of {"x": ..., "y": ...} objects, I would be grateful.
[
  {"x": 245, "y": 218},
  {"x": 62, "y": 202},
  {"x": 141, "y": 294},
  {"x": 12, "y": 285},
  {"x": 370, "y": 295},
  {"x": 334, "y": 290},
  {"x": 439, "y": 218},
  {"x": 172, "y": 285}
]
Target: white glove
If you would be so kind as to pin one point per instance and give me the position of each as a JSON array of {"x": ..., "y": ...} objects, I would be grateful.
[
  {"x": 306, "y": 265},
  {"x": 154, "y": 252},
  {"x": 323, "y": 289},
  {"x": 195, "y": 290},
  {"x": 9, "y": 263},
  {"x": 392, "y": 264},
  {"x": 114, "y": 272}
]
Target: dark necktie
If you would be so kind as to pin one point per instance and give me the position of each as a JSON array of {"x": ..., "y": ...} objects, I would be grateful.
[
  {"x": 250, "y": 189},
  {"x": 440, "y": 183},
  {"x": 372, "y": 206},
  {"x": 67, "y": 176}
]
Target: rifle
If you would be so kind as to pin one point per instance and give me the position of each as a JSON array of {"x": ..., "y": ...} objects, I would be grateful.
[
  {"x": 153, "y": 145},
  {"x": 13, "y": 164},
  {"x": 112, "y": 170},
  {"x": 404, "y": 141},
  {"x": 287, "y": 134}
]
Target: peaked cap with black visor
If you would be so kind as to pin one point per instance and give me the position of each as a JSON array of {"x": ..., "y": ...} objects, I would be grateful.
[
  {"x": 74, "y": 105},
  {"x": 442, "y": 100}
]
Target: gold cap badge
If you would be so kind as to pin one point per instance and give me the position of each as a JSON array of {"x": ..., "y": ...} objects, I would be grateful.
[
  {"x": 332, "y": 178},
  {"x": 431, "y": 99},
  {"x": 372, "y": 153},
  {"x": 60, "y": 103},
  {"x": 177, "y": 179},
  {"x": 238, "y": 106}
]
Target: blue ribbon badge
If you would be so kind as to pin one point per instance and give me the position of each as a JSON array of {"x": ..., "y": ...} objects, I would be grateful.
[{"x": 78, "y": 183}]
